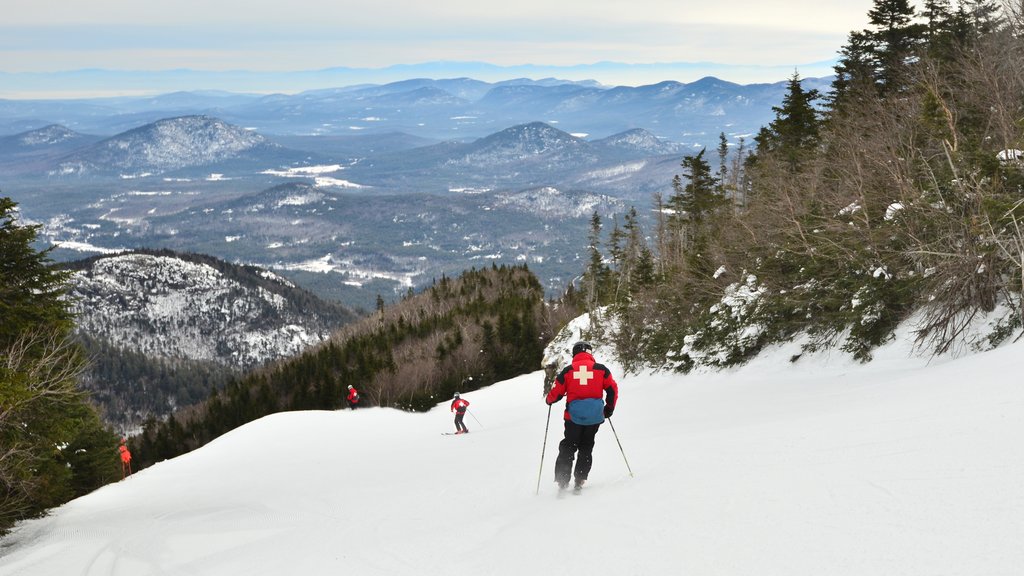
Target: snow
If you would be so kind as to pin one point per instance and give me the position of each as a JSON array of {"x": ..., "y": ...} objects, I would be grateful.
[
  {"x": 325, "y": 181},
  {"x": 297, "y": 171},
  {"x": 329, "y": 263},
  {"x": 1011, "y": 155},
  {"x": 86, "y": 247},
  {"x": 901, "y": 466}
]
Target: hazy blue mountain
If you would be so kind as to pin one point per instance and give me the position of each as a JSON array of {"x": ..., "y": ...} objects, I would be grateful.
[
  {"x": 32, "y": 151},
  {"x": 638, "y": 143},
  {"x": 447, "y": 109},
  {"x": 65, "y": 84},
  {"x": 526, "y": 155},
  {"x": 166, "y": 146}
]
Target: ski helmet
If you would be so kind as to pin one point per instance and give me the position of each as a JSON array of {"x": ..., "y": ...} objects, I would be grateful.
[
  {"x": 456, "y": 394},
  {"x": 349, "y": 386},
  {"x": 581, "y": 346}
]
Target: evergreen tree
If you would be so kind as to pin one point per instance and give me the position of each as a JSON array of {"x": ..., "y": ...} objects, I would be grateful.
[
  {"x": 41, "y": 411},
  {"x": 700, "y": 197},
  {"x": 595, "y": 277},
  {"x": 854, "y": 71},
  {"x": 895, "y": 38},
  {"x": 794, "y": 132},
  {"x": 723, "y": 167}
]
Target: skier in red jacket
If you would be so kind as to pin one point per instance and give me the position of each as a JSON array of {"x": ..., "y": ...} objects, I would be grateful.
[
  {"x": 459, "y": 406},
  {"x": 582, "y": 383},
  {"x": 126, "y": 459},
  {"x": 353, "y": 397}
]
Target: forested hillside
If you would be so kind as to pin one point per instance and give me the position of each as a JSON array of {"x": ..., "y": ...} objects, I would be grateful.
[
  {"x": 162, "y": 329},
  {"x": 898, "y": 193},
  {"x": 458, "y": 335}
]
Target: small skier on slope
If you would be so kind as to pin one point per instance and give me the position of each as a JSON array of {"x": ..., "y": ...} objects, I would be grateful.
[
  {"x": 126, "y": 459},
  {"x": 459, "y": 406},
  {"x": 583, "y": 382},
  {"x": 353, "y": 397}
]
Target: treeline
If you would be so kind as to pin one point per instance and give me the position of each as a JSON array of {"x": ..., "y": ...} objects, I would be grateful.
[
  {"x": 53, "y": 446},
  {"x": 899, "y": 192},
  {"x": 487, "y": 325},
  {"x": 130, "y": 387}
]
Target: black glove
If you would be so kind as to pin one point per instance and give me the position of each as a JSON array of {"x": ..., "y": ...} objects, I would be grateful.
[{"x": 608, "y": 411}]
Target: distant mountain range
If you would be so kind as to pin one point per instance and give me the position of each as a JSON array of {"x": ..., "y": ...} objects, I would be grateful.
[
  {"x": 191, "y": 147},
  {"x": 363, "y": 190},
  {"x": 70, "y": 84},
  {"x": 449, "y": 109}
]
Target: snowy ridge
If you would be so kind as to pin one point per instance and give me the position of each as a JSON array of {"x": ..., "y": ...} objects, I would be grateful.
[
  {"x": 165, "y": 145},
  {"x": 551, "y": 203},
  {"x": 534, "y": 142},
  {"x": 47, "y": 136},
  {"x": 824, "y": 466},
  {"x": 641, "y": 141},
  {"x": 170, "y": 307}
]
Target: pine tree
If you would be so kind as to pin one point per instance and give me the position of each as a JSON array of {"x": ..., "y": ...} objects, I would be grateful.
[
  {"x": 41, "y": 410},
  {"x": 794, "y": 132},
  {"x": 894, "y": 40},
  {"x": 596, "y": 275}
]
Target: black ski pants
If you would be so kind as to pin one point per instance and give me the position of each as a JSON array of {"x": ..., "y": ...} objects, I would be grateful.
[
  {"x": 577, "y": 438},
  {"x": 459, "y": 426}
]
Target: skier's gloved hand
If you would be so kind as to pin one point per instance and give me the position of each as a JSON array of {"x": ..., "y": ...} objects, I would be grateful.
[{"x": 608, "y": 411}]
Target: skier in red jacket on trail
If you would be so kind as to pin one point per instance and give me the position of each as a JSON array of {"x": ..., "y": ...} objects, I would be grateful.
[
  {"x": 459, "y": 406},
  {"x": 583, "y": 383},
  {"x": 353, "y": 397},
  {"x": 126, "y": 459}
]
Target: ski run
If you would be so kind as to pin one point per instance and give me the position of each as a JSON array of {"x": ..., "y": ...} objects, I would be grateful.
[{"x": 906, "y": 465}]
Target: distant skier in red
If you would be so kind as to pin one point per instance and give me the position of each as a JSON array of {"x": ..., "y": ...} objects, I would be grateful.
[
  {"x": 353, "y": 397},
  {"x": 583, "y": 383},
  {"x": 459, "y": 406},
  {"x": 126, "y": 459}
]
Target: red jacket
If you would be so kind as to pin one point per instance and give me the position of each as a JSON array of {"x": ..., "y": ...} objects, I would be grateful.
[
  {"x": 584, "y": 378},
  {"x": 353, "y": 396},
  {"x": 459, "y": 405},
  {"x": 126, "y": 456}
]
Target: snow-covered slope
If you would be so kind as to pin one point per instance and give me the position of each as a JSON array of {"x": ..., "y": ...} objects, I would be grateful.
[
  {"x": 901, "y": 466},
  {"x": 165, "y": 145}
]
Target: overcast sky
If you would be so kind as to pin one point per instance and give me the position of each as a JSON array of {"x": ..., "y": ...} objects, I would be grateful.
[{"x": 288, "y": 35}]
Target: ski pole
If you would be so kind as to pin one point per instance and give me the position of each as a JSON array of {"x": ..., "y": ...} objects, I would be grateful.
[
  {"x": 474, "y": 417},
  {"x": 543, "y": 448},
  {"x": 620, "y": 447}
]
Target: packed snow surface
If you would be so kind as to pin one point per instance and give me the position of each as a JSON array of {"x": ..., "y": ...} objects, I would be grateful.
[{"x": 823, "y": 466}]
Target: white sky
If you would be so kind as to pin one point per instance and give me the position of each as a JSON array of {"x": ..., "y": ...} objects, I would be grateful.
[
  {"x": 59, "y": 35},
  {"x": 823, "y": 466}
]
